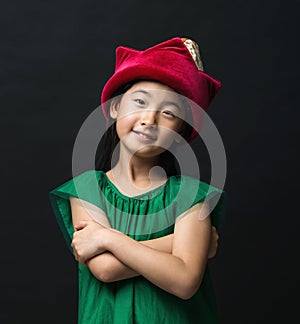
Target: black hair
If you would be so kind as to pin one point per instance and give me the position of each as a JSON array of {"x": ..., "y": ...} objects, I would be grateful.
[
  {"x": 110, "y": 139},
  {"x": 106, "y": 158}
]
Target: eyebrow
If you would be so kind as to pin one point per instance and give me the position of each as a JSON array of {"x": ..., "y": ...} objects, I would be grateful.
[{"x": 143, "y": 91}]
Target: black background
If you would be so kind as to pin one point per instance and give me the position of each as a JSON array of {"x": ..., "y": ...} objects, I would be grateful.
[{"x": 55, "y": 58}]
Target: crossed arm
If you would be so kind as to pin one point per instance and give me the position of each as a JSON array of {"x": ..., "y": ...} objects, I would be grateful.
[{"x": 111, "y": 255}]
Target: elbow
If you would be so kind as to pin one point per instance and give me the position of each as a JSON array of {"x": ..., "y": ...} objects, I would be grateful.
[
  {"x": 187, "y": 289},
  {"x": 105, "y": 276},
  {"x": 186, "y": 293},
  {"x": 103, "y": 273}
]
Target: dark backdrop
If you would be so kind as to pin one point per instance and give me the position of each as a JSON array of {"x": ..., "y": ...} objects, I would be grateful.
[{"x": 56, "y": 57}]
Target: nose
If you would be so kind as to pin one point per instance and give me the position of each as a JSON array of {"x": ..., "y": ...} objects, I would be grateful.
[{"x": 148, "y": 118}]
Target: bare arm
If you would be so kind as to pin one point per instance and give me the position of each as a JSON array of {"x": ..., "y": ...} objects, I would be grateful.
[
  {"x": 188, "y": 259},
  {"x": 105, "y": 266}
]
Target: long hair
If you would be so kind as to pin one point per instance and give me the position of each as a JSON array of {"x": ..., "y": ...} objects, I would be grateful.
[{"x": 107, "y": 152}]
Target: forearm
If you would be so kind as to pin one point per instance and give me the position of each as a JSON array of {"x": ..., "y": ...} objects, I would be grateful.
[
  {"x": 107, "y": 267},
  {"x": 187, "y": 260},
  {"x": 152, "y": 264},
  {"x": 163, "y": 244}
]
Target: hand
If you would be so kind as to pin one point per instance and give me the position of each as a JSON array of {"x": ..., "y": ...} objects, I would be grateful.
[
  {"x": 213, "y": 243},
  {"x": 87, "y": 240}
]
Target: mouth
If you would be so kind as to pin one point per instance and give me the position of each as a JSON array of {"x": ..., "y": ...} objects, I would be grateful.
[{"x": 145, "y": 136}]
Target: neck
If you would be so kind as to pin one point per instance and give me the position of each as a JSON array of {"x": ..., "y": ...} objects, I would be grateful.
[{"x": 134, "y": 175}]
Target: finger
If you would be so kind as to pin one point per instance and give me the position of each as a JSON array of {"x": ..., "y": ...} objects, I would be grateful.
[
  {"x": 74, "y": 251},
  {"x": 81, "y": 225},
  {"x": 81, "y": 261},
  {"x": 75, "y": 255},
  {"x": 215, "y": 233}
]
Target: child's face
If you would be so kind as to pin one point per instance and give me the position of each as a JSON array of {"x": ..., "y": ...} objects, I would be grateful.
[{"x": 149, "y": 117}]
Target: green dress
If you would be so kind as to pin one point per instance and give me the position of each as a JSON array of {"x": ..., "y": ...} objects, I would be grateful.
[{"x": 143, "y": 217}]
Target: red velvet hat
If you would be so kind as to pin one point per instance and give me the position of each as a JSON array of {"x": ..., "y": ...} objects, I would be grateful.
[{"x": 173, "y": 63}]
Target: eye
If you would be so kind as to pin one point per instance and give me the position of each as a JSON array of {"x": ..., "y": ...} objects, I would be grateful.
[
  {"x": 169, "y": 113},
  {"x": 140, "y": 102}
]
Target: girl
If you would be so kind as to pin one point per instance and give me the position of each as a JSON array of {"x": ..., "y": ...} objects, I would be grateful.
[{"x": 138, "y": 229}]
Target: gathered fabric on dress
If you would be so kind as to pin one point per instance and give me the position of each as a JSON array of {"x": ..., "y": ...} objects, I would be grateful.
[{"x": 143, "y": 217}]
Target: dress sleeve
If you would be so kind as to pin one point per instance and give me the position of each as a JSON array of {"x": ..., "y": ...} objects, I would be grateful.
[
  {"x": 218, "y": 209},
  {"x": 194, "y": 192},
  {"x": 85, "y": 186},
  {"x": 215, "y": 197}
]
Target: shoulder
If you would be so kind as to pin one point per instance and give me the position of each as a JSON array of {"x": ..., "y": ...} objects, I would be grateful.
[
  {"x": 84, "y": 186},
  {"x": 189, "y": 191},
  {"x": 188, "y": 185}
]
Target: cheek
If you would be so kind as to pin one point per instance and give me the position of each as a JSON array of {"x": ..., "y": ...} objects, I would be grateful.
[
  {"x": 169, "y": 131},
  {"x": 174, "y": 127},
  {"x": 166, "y": 137},
  {"x": 124, "y": 125},
  {"x": 179, "y": 126}
]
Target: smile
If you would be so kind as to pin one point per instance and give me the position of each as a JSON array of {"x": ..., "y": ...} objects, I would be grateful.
[{"x": 145, "y": 136}]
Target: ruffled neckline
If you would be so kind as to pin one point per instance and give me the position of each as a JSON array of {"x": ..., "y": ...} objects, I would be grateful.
[{"x": 149, "y": 194}]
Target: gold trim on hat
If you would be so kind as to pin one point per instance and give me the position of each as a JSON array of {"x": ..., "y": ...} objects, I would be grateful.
[{"x": 193, "y": 48}]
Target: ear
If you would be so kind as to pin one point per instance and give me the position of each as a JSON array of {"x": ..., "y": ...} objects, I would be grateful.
[{"x": 113, "y": 109}]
